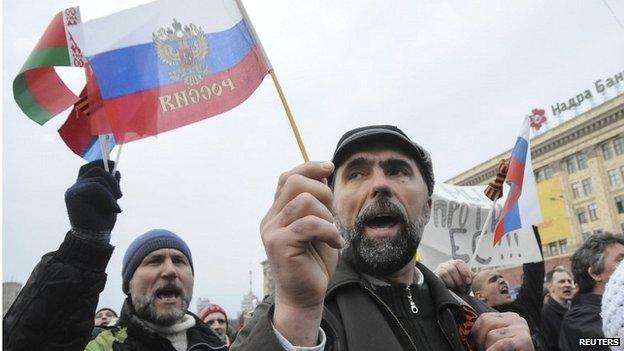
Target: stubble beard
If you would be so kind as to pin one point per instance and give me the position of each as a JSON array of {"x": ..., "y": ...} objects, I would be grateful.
[{"x": 383, "y": 256}]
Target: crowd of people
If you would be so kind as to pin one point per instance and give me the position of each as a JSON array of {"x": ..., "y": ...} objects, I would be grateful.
[{"x": 341, "y": 238}]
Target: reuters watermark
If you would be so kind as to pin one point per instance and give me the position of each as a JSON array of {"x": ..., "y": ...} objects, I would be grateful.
[{"x": 599, "y": 342}]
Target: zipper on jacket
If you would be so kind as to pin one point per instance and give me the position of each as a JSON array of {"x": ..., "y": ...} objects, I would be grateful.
[
  {"x": 392, "y": 314},
  {"x": 413, "y": 306}
]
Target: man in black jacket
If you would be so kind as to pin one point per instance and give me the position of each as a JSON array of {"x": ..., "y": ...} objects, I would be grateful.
[
  {"x": 592, "y": 265},
  {"x": 55, "y": 309},
  {"x": 561, "y": 289},
  {"x": 374, "y": 296}
]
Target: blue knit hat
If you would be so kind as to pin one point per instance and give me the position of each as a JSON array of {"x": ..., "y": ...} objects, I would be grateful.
[{"x": 142, "y": 246}]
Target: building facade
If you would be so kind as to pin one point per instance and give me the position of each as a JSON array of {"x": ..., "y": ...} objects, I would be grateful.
[
  {"x": 579, "y": 170},
  {"x": 10, "y": 290},
  {"x": 268, "y": 287},
  {"x": 202, "y": 303}
]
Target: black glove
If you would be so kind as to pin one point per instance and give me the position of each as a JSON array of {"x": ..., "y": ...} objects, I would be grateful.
[{"x": 92, "y": 200}]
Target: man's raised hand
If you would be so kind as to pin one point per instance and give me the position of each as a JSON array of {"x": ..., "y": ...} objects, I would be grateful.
[{"x": 301, "y": 242}]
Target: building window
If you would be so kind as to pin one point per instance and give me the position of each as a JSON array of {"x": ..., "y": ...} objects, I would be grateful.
[
  {"x": 552, "y": 249},
  {"x": 621, "y": 227},
  {"x": 539, "y": 175},
  {"x": 598, "y": 232},
  {"x": 607, "y": 151},
  {"x": 585, "y": 235},
  {"x": 618, "y": 145},
  {"x": 576, "y": 190},
  {"x": 582, "y": 161},
  {"x": 543, "y": 174},
  {"x": 580, "y": 214},
  {"x": 571, "y": 165},
  {"x": 563, "y": 246},
  {"x": 619, "y": 203},
  {"x": 587, "y": 189},
  {"x": 593, "y": 212},
  {"x": 614, "y": 177}
]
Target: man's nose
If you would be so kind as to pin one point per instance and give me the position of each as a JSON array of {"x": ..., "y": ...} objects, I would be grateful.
[
  {"x": 169, "y": 270},
  {"x": 380, "y": 185}
]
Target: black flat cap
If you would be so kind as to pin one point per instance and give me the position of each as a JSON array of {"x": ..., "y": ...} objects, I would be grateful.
[{"x": 356, "y": 139}]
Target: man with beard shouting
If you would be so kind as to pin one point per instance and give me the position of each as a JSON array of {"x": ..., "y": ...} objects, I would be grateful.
[
  {"x": 373, "y": 296},
  {"x": 54, "y": 310}
]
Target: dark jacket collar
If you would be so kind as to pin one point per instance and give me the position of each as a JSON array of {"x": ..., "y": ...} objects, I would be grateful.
[
  {"x": 556, "y": 306},
  {"x": 199, "y": 334},
  {"x": 346, "y": 275},
  {"x": 590, "y": 299}
]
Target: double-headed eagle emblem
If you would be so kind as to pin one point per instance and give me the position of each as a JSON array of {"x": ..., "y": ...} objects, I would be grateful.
[{"x": 184, "y": 49}]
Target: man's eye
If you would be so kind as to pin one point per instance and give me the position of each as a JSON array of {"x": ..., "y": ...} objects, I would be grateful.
[
  {"x": 355, "y": 174},
  {"x": 398, "y": 171}
]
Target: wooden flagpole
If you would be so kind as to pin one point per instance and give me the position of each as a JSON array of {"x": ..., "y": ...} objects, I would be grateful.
[
  {"x": 293, "y": 125},
  {"x": 291, "y": 119}
]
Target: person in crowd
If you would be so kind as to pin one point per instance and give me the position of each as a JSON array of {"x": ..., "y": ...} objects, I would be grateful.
[
  {"x": 613, "y": 308},
  {"x": 216, "y": 318},
  {"x": 55, "y": 309},
  {"x": 560, "y": 289},
  {"x": 592, "y": 265},
  {"x": 372, "y": 202},
  {"x": 105, "y": 317},
  {"x": 490, "y": 287}
]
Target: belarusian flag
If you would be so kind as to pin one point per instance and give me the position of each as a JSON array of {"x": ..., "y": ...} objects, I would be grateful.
[{"x": 37, "y": 89}]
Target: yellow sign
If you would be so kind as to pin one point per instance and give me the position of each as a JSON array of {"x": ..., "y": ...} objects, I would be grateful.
[{"x": 556, "y": 223}]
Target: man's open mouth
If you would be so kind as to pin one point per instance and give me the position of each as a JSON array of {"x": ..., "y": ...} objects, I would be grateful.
[
  {"x": 504, "y": 289},
  {"x": 382, "y": 221},
  {"x": 168, "y": 293},
  {"x": 567, "y": 290}
]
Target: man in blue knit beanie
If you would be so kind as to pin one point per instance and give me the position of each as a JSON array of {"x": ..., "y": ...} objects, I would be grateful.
[{"x": 55, "y": 309}]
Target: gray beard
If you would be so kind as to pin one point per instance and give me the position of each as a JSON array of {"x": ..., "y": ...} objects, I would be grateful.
[
  {"x": 381, "y": 257},
  {"x": 145, "y": 309}
]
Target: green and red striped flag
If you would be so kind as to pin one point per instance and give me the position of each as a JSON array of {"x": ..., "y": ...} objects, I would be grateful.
[{"x": 37, "y": 89}]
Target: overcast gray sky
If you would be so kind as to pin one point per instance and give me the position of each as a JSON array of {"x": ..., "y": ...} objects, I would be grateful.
[{"x": 456, "y": 76}]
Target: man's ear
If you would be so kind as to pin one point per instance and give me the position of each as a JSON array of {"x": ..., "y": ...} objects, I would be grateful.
[
  {"x": 480, "y": 296},
  {"x": 549, "y": 288},
  {"x": 594, "y": 276},
  {"x": 427, "y": 212}
]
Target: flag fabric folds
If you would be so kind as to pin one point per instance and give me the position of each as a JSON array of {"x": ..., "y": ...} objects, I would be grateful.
[
  {"x": 521, "y": 208},
  {"x": 170, "y": 63},
  {"x": 76, "y": 131},
  {"x": 37, "y": 89}
]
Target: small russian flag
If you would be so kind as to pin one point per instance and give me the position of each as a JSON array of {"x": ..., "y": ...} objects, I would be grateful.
[{"x": 521, "y": 208}]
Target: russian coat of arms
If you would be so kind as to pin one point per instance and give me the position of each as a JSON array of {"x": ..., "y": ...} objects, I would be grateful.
[{"x": 184, "y": 49}]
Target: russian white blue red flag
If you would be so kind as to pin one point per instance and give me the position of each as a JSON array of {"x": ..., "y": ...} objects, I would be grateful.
[
  {"x": 169, "y": 63},
  {"x": 521, "y": 209}
]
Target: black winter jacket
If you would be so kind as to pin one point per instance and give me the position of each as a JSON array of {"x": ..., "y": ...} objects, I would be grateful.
[
  {"x": 582, "y": 321},
  {"x": 552, "y": 316},
  {"x": 355, "y": 318},
  {"x": 55, "y": 309}
]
